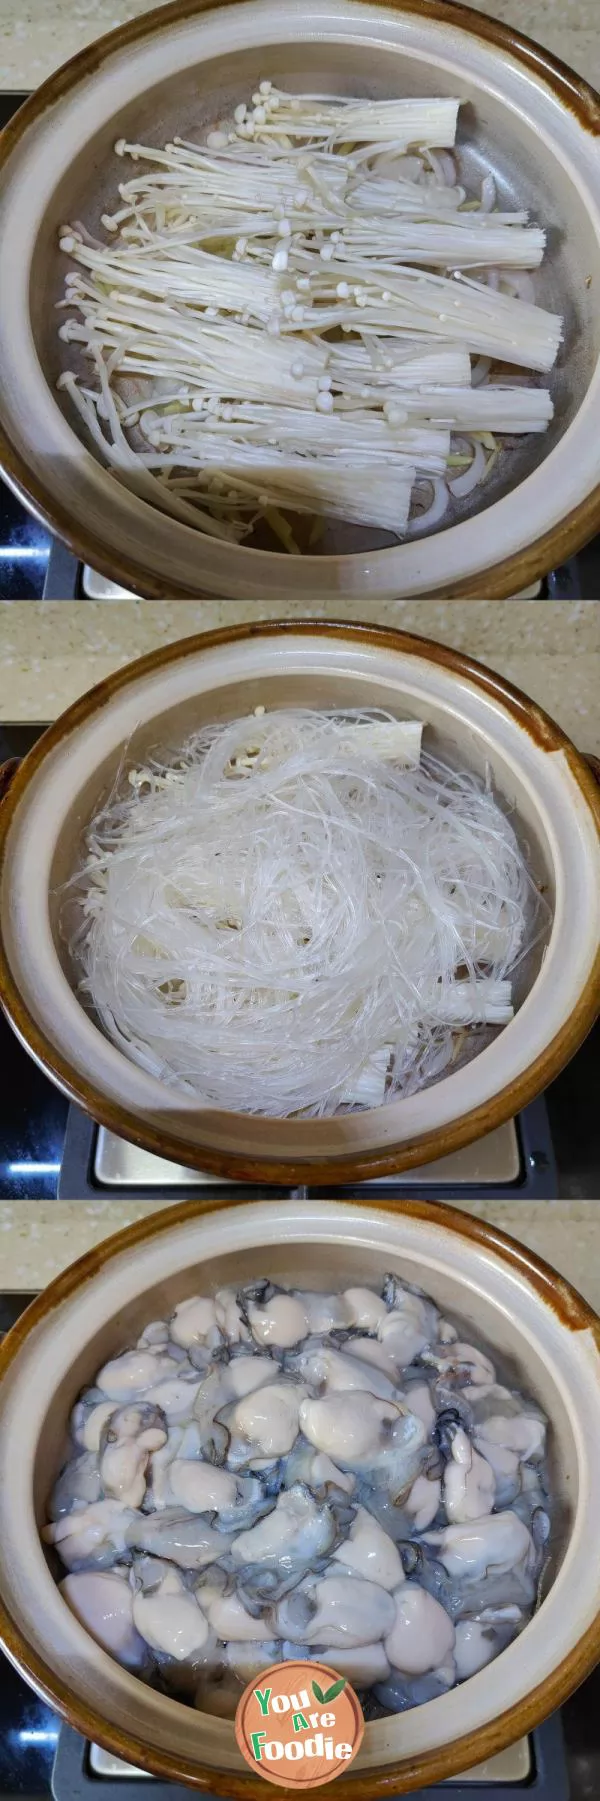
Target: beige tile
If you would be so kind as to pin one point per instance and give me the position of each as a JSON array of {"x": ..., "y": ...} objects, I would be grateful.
[
  {"x": 51, "y": 652},
  {"x": 38, "y": 1239},
  {"x": 37, "y": 37}
]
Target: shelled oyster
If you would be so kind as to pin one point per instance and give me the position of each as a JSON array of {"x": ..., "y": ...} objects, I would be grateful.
[{"x": 273, "y": 1473}]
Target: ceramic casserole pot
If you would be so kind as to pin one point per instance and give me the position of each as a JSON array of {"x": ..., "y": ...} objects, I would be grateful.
[
  {"x": 176, "y": 71},
  {"x": 471, "y": 717},
  {"x": 520, "y": 1308}
]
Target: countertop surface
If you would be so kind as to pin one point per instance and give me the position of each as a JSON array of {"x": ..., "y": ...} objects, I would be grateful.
[
  {"x": 40, "y": 34},
  {"x": 39, "y": 1238},
  {"x": 51, "y": 651}
]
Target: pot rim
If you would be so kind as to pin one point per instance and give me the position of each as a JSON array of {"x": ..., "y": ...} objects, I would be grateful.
[
  {"x": 349, "y": 1167},
  {"x": 498, "y": 581},
  {"x": 553, "y": 1291}
]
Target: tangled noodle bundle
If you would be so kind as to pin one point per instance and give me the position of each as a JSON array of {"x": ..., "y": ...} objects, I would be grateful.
[{"x": 297, "y": 912}]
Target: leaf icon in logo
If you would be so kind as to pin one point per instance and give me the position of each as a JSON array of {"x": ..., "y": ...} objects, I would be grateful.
[
  {"x": 335, "y": 1690},
  {"x": 330, "y": 1694}
]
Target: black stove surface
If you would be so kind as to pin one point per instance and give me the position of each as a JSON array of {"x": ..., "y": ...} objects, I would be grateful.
[{"x": 36, "y": 566}]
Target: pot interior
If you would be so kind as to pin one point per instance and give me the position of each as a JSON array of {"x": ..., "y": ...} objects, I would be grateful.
[{"x": 493, "y": 136}]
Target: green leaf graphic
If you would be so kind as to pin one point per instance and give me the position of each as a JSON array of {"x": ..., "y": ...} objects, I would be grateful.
[
  {"x": 336, "y": 1689},
  {"x": 318, "y": 1692}
]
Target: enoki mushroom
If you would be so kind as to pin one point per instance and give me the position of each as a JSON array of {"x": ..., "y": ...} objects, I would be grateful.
[
  {"x": 283, "y": 321},
  {"x": 294, "y": 913}
]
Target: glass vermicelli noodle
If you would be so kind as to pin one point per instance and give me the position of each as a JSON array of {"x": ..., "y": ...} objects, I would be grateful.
[
  {"x": 307, "y": 318},
  {"x": 301, "y": 911},
  {"x": 275, "y": 1474}
]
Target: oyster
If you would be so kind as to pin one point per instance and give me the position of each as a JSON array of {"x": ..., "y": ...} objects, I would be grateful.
[
  {"x": 337, "y": 1610},
  {"x": 185, "y": 1539},
  {"x": 381, "y": 1438},
  {"x": 422, "y": 1636},
  {"x": 194, "y": 1321},
  {"x": 102, "y": 1601},
  {"x": 367, "y": 1551},
  {"x": 329, "y": 1371},
  {"x": 94, "y": 1535},
  {"x": 480, "y": 1637},
  {"x": 87, "y": 1422},
  {"x": 295, "y": 1532},
  {"x": 263, "y": 1425},
  {"x": 127, "y": 1440},
  {"x": 495, "y": 1545},
  {"x": 229, "y": 1617},
  {"x": 170, "y": 1619},
  {"x": 277, "y": 1473},
  {"x": 469, "y": 1485},
  {"x": 79, "y": 1483},
  {"x": 131, "y": 1376}
]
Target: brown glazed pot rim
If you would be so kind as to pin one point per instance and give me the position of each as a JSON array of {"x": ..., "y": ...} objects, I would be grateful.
[
  {"x": 498, "y": 582},
  {"x": 495, "y": 1735},
  {"x": 348, "y": 1168}
]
